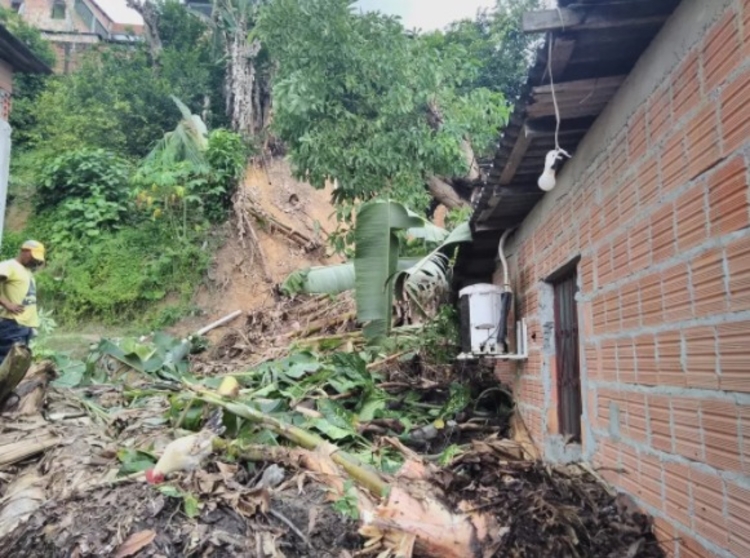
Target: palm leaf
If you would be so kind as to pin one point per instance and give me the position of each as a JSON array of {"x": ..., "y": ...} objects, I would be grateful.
[
  {"x": 187, "y": 142},
  {"x": 376, "y": 258}
]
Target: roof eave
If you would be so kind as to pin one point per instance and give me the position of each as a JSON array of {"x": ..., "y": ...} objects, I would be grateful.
[{"x": 19, "y": 56}]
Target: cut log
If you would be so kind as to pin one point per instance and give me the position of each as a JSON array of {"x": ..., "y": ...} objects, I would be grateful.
[{"x": 12, "y": 370}]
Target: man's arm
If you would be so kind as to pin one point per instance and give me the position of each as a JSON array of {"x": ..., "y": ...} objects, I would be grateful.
[{"x": 8, "y": 305}]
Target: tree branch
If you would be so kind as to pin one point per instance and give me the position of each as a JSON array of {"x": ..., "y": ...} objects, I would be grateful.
[
  {"x": 445, "y": 194},
  {"x": 150, "y": 14}
]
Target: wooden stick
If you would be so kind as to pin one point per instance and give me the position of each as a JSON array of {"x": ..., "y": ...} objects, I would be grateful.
[
  {"x": 218, "y": 323},
  {"x": 315, "y": 327},
  {"x": 387, "y": 360},
  {"x": 295, "y": 236},
  {"x": 18, "y": 451}
]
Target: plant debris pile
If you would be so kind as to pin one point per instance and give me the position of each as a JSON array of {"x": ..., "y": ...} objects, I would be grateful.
[
  {"x": 268, "y": 333},
  {"x": 137, "y": 520},
  {"x": 548, "y": 511},
  {"x": 331, "y": 449}
]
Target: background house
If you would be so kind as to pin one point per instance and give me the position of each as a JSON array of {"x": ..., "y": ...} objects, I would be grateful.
[
  {"x": 72, "y": 26},
  {"x": 634, "y": 272},
  {"x": 14, "y": 57}
]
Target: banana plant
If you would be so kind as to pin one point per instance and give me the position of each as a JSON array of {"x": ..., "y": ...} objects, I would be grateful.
[{"x": 377, "y": 271}]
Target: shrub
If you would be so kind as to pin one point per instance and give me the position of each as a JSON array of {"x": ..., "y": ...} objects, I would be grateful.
[
  {"x": 121, "y": 275},
  {"x": 87, "y": 192},
  {"x": 226, "y": 156},
  {"x": 83, "y": 174}
]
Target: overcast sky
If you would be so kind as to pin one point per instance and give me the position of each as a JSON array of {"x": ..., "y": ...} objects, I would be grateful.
[{"x": 425, "y": 14}]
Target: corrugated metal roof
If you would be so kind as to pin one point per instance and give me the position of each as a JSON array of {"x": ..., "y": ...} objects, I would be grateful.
[{"x": 595, "y": 45}]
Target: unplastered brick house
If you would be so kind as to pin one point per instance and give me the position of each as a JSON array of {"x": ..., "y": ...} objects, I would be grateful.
[
  {"x": 73, "y": 26},
  {"x": 633, "y": 272}
]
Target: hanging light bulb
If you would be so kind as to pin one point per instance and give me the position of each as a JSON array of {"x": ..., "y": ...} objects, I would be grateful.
[{"x": 547, "y": 180}]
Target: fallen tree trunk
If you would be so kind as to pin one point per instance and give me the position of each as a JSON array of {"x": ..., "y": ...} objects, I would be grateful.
[
  {"x": 31, "y": 391},
  {"x": 12, "y": 371},
  {"x": 445, "y": 194}
]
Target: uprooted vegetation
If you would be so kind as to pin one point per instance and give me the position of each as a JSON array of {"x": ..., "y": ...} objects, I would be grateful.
[{"x": 332, "y": 448}]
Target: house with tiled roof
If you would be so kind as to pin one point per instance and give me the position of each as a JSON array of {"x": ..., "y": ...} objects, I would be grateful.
[{"x": 73, "y": 26}]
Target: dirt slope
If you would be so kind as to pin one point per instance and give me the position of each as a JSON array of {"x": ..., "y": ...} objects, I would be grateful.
[{"x": 235, "y": 280}]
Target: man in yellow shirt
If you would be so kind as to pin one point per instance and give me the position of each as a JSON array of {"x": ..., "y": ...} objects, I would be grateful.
[{"x": 18, "y": 312}]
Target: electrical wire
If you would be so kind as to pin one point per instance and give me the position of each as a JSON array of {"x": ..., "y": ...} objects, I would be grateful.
[
  {"x": 552, "y": 88},
  {"x": 552, "y": 80}
]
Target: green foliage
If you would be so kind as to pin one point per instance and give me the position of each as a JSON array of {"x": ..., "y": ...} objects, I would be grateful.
[
  {"x": 121, "y": 275},
  {"x": 164, "y": 356},
  {"x": 82, "y": 174},
  {"x": 187, "y": 142},
  {"x": 117, "y": 100},
  {"x": 188, "y": 62},
  {"x": 495, "y": 52},
  {"x": 113, "y": 101},
  {"x": 26, "y": 87},
  {"x": 354, "y": 97},
  {"x": 39, "y": 344},
  {"x": 428, "y": 278},
  {"x": 347, "y": 505},
  {"x": 134, "y": 461},
  {"x": 87, "y": 189},
  {"x": 378, "y": 270},
  {"x": 188, "y": 185},
  {"x": 226, "y": 156},
  {"x": 12, "y": 241},
  {"x": 28, "y": 35},
  {"x": 376, "y": 259},
  {"x": 457, "y": 216},
  {"x": 190, "y": 504}
]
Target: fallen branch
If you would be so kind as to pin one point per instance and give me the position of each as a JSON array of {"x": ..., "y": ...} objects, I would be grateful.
[
  {"x": 363, "y": 474},
  {"x": 387, "y": 360},
  {"x": 320, "y": 325},
  {"x": 218, "y": 323},
  {"x": 301, "y": 240},
  {"x": 349, "y": 336},
  {"x": 245, "y": 228},
  {"x": 288, "y": 522}
]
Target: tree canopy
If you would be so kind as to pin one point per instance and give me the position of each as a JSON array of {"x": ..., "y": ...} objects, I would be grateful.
[
  {"x": 494, "y": 48},
  {"x": 359, "y": 101}
]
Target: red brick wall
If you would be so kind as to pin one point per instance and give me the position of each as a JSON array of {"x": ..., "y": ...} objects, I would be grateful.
[
  {"x": 6, "y": 89},
  {"x": 660, "y": 221}
]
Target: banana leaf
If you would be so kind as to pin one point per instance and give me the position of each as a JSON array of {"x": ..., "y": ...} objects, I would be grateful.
[
  {"x": 431, "y": 272},
  {"x": 329, "y": 279},
  {"x": 376, "y": 259},
  {"x": 427, "y": 231}
]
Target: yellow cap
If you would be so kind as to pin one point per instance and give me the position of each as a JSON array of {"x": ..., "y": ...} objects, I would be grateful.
[{"x": 36, "y": 249}]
